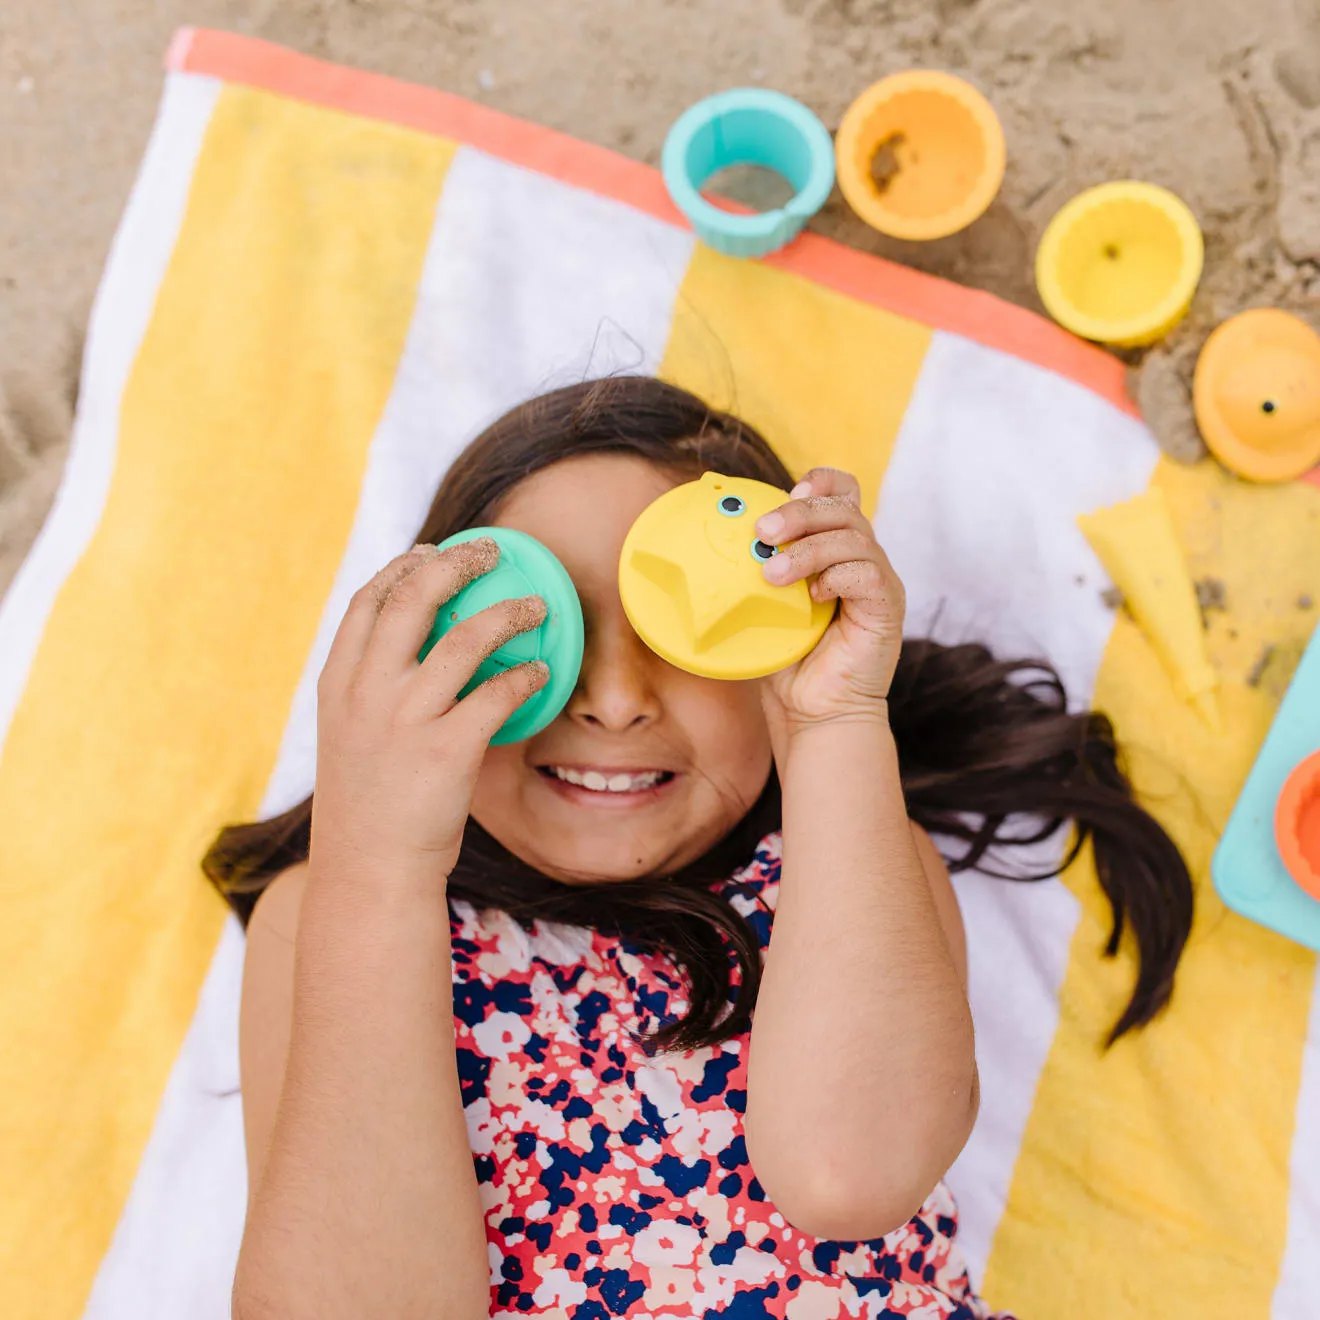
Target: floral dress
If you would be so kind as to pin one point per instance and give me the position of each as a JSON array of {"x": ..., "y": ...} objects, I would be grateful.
[{"x": 616, "y": 1183}]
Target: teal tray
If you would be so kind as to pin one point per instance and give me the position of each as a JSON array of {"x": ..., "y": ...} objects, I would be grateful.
[{"x": 1248, "y": 873}]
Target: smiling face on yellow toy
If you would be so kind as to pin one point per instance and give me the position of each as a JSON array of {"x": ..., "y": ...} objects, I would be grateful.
[{"x": 691, "y": 583}]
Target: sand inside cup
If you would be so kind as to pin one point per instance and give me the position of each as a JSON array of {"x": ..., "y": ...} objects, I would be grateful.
[{"x": 924, "y": 152}]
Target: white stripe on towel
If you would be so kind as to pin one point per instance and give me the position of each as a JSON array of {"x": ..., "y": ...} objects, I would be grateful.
[{"x": 546, "y": 285}]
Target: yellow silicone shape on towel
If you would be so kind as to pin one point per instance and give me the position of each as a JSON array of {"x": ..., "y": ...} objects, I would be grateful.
[
  {"x": 1138, "y": 546},
  {"x": 1154, "y": 1177},
  {"x": 692, "y": 585},
  {"x": 157, "y": 700}
]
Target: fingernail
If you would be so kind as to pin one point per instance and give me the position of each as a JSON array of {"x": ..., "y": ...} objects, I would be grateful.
[
  {"x": 770, "y": 527},
  {"x": 482, "y": 552},
  {"x": 778, "y": 568},
  {"x": 424, "y": 548},
  {"x": 802, "y": 489}
]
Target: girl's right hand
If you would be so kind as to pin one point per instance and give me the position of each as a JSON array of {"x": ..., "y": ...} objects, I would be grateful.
[{"x": 397, "y": 752}]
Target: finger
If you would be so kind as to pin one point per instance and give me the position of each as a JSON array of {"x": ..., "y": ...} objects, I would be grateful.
[
  {"x": 452, "y": 661},
  {"x": 359, "y": 621},
  {"x": 408, "y": 610},
  {"x": 866, "y": 589},
  {"x": 828, "y": 481},
  {"x": 805, "y": 517},
  {"x": 814, "y": 554},
  {"x": 481, "y": 713}
]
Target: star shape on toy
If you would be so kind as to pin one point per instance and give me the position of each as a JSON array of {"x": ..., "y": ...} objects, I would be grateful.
[{"x": 715, "y": 600}]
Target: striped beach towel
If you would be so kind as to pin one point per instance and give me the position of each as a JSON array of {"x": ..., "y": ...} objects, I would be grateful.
[{"x": 324, "y": 283}]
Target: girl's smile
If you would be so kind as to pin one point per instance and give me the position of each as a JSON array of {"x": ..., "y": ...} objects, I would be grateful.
[{"x": 610, "y": 787}]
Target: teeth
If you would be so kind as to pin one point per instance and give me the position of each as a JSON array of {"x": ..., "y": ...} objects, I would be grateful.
[{"x": 599, "y": 783}]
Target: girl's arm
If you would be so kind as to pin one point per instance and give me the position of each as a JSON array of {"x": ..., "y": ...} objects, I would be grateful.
[
  {"x": 363, "y": 1197},
  {"x": 862, "y": 1084}
]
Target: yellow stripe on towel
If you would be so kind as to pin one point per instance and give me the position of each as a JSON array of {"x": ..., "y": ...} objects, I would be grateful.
[
  {"x": 825, "y": 378},
  {"x": 164, "y": 676},
  {"x": 1153, "y": 1180}
]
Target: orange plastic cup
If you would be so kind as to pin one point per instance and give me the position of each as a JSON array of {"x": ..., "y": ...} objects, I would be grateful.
[
  {"x": 947, "y": 150},
  {"x": 1256, "y": 393},
  {"x": 1297, "y": 825}
]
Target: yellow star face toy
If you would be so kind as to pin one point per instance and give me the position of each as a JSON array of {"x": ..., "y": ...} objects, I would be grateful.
[{"x": 691, "y": 583}]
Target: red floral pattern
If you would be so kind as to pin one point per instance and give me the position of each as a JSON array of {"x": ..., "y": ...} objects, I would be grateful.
[{"x": 616, "y": 1183}]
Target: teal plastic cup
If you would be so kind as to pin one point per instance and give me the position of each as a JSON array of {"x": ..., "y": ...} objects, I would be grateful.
[{"x": 525, "y": 568}]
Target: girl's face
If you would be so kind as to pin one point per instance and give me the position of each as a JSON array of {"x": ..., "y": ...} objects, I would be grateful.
[{"x": 647, "y": 767}]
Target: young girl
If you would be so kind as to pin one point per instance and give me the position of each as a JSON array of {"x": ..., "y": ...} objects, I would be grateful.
[{"x": 508, "y": 1045}]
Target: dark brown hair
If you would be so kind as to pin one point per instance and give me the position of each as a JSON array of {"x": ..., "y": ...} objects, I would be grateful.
[{"x": 980, "y": 740}]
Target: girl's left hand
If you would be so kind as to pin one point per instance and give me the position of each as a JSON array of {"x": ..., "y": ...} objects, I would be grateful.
[{"x": 848, "y": 673}]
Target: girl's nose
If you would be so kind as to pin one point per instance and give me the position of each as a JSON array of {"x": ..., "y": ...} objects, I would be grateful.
[{"x": 615, "y": 689}]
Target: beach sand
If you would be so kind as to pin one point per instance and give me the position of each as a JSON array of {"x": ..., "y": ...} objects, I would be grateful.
[{"x": 1216, "y": 99}]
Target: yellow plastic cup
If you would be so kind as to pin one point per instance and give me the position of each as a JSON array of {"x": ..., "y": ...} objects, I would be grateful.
[
  {"x": 1120, "y": 263},
  {"x": 945, "y": 145},
  {"x": 691, "y": 584}
]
